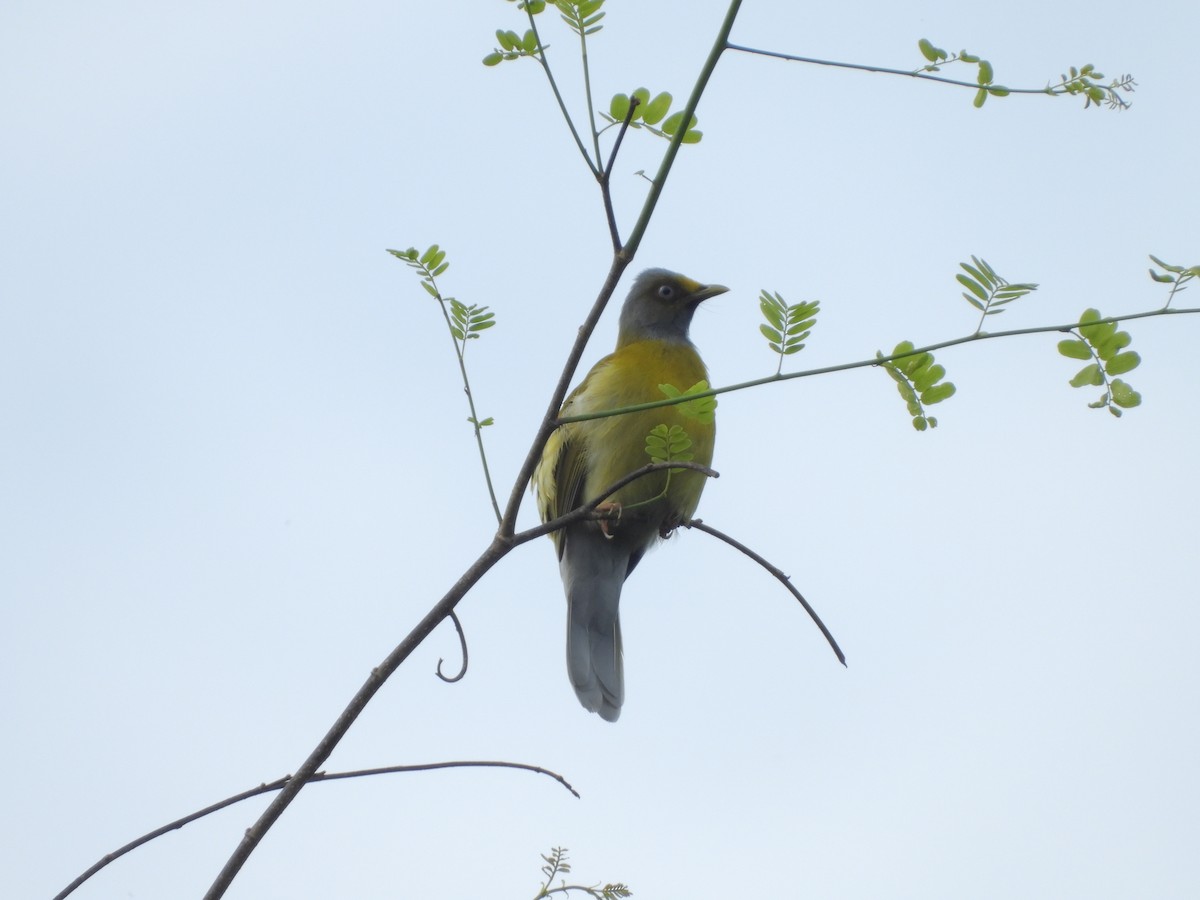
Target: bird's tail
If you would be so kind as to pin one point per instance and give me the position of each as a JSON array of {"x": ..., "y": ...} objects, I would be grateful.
[{"x": 593, "y": 575}]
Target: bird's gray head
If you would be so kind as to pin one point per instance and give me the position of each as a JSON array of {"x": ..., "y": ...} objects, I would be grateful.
[{"x": 660, "y": 307}]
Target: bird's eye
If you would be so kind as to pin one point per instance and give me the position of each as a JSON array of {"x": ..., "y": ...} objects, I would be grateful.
[{"x": 666, "y": 291}]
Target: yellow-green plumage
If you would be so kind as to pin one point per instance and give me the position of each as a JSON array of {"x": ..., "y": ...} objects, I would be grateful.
[{"x": 582, "y": 460}]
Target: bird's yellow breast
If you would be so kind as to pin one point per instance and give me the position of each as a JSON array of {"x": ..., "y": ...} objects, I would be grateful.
[{"x": 614, "y": 446}]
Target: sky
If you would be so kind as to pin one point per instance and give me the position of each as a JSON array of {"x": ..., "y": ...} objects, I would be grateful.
[{"x": 235, "y": 468}]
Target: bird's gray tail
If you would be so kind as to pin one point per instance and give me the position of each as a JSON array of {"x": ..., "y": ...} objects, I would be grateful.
[{"x": 593, "y": 575}]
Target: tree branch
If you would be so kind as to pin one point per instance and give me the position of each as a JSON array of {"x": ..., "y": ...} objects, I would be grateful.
[
  {"x": 379, "y": 675},
  {"x": 278, "y": 784},
  {"x": 874, "y": 361}
]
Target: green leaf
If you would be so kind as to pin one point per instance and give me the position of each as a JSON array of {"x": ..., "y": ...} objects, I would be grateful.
[
  {"x": 1123, "y": 395},
  {"x": 492, "y": 59},
  {"x": 938, "y": 393},
  {"x": 1089, "y": 374},
  {"x": 1074, "y": 349},
  {"x": 980, "y": 96},
  {"x": 1178, "y": 270},
  {"x": 930, "y": 52},
  {"x": 642, "y": 96},
  {"x": 972, "y": 286},
  {"x": 673, "y": 121},
  {"x": 985, "y": 72},
  {"x": 989, "y": 280},
  {"x": 911, "y": 365},
  {"x": 928, "y": 378},
  {"x": 656, "y": 109},
  {"x": 772, "y": 313},
  {"x": 771, "y": 334},
  {"x": 1122, "y": 363},
  {"x": 1162, "y": 278}
]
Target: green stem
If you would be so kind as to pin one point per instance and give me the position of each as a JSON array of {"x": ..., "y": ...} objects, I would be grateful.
[
  {"x": 562, "y": 106},
  {"x": 664, "y": 169},
  {"x": 587, "y": 92},
  {"x": 460, "y": 349}
]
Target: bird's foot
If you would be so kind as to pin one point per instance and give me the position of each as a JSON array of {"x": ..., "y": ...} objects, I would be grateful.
[
  {"x": 611, "y": 511},
  {"x": 667, "y": 528}
]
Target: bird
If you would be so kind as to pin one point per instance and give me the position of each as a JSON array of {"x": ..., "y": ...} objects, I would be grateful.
[{"x": 581, "y": 460}]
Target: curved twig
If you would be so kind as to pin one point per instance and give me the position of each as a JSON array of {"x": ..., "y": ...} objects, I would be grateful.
[
  {"x": 278, "y": 784},
  {"x": 778, "y": 573},
  {"x": 462, "y": 642}
]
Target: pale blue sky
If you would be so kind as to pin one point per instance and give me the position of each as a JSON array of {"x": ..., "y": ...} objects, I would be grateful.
[{"x": 235, "y": 471}]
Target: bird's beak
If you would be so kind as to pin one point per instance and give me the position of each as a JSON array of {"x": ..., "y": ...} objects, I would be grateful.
[{"x": 707, "y": 291}]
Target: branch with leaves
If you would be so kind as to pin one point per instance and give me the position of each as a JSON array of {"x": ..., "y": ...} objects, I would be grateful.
[
  {"x": 557, "y": 865},
  {"x": 464, "y": 323},
  {"x": 788, "y": 327},
  {"x": 277, "y": 785}
]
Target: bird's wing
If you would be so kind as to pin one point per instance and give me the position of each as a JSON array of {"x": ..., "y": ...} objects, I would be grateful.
[
  {"x": 558, "y": 478},
  {"x": 558, "y": 481}
]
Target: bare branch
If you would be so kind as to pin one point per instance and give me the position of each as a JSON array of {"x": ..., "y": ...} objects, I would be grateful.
[
  {"x": 779, "y": 574},
  {"x": 278, "y": 784}
]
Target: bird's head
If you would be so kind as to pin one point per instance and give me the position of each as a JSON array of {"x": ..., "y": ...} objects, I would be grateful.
[{"x": 660, "y": 307}]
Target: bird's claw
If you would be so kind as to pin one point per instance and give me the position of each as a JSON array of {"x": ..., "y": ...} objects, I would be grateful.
[{"x": 611, "y": 513}]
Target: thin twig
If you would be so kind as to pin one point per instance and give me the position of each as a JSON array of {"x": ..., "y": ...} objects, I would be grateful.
[
  {"x": 278, "y": 785},
  {"x": 562, "y": 106},
  {"x": 606, "y": 177},
  {"x": 462, "y": 642},
  {"x": 924, "y": 76},
  {"x": 778, "y": 573},
  {"x": 689, "y": 110},
  {"x": 460, "y": 350}
]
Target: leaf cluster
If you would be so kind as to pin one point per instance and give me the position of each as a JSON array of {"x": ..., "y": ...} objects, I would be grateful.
[
  {"x": 513, "y": 46},
  {"x": 557, "y": 864},
  {"x": 1080, "y": 81},
  {"x": 919, "y": 381},
  {"x": 429, "y": 265},
  {"x": 581, "y": 17},
  {"x": 1083, "y": 81},
  {"x": 702, "y": 409},
  {"x": 468, "y": 321},
  {"x": 988, "y": 292},
  {"x": 669, "y": 444},
  {"x": 985, "y": 77},
  {"x": 787, "y": 326},
  {"x": 647, "y": 113},
  {"x": 1176, "y": 276},
  {"x": 1103, "y": 346}
]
